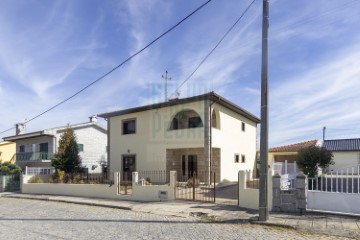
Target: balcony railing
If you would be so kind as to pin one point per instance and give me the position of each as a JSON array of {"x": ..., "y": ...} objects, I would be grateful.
[{"x": 33, "y": 156}]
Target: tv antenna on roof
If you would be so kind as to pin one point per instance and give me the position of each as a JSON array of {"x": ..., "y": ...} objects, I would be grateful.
[{"x": 166, "y": 79}]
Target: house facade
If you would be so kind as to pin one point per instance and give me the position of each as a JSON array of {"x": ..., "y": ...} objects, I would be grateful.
[
  {"x": 191, "y": 135},
  {"x": 36, "y": 149},
  {"x": 346, "y": 153},
  {"x": 7, "y": 151},
  {"x": 282, "y": 159}
]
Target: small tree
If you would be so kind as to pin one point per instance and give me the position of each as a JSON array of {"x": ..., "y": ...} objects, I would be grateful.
[
  {"x": 311, "y": 158},
  {"x": 67, "y": 158}
]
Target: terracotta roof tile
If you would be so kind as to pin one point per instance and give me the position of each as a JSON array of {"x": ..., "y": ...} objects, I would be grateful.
[{"x": 294, "y": 147}]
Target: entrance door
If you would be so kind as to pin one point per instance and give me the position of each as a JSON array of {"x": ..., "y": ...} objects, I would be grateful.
[
  {"x": 128, "y": 166},
  {"x": 192, "y": 165}
]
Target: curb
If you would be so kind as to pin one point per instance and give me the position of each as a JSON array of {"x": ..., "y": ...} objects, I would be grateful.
[{"x": 69, "y": 201}]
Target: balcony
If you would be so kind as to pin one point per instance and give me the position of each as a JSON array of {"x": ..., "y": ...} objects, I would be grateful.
[{"x": 34, "y": 156}]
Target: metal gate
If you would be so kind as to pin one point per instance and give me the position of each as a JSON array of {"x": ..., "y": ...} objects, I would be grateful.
[
  {"x": 10, "y": 183},
  {"x": 196, "y": 186}
]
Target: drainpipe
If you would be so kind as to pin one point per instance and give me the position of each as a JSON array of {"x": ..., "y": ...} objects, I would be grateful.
[
  {"x": 207, "y": 141},
  {"x": 208, "y": 138}
]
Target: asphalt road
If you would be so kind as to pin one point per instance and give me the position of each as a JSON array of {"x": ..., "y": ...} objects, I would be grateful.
[{"x": 32, "y": 219}]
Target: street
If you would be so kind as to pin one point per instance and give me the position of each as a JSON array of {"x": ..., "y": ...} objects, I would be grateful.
[{"x": 33, "y": 219}]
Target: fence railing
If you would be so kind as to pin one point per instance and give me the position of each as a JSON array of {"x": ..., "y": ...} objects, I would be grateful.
[
  {"x": 73, "y": 178},
  {"x": 157, "y": 177},
  {"x": 39, "y": 170},
  {"x": 341, "y": 181},
  {"x": 33, "y": 156}
]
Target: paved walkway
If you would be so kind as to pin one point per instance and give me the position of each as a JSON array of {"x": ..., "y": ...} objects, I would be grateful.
[{"x": 313, "y": 222}]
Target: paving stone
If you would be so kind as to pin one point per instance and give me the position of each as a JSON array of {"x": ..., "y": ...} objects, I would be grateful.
[{"x": 33, "y": 219}]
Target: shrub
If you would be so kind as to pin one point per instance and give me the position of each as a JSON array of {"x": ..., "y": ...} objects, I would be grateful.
[{"x": 36, "y": 179}]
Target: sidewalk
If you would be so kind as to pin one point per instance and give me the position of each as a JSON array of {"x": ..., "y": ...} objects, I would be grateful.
[{"x": 311, "y": 222}]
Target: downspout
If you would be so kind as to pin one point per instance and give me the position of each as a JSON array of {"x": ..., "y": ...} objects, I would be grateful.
[{"x": 210, "y": 137}]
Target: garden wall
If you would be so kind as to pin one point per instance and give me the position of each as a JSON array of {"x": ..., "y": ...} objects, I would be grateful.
[{"x": 139, "y": 193}]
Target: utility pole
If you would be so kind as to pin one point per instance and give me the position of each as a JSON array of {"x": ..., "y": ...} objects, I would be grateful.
[
  {"x": 324, "y": 129},
  {"x": 166, "y": 79},
  {"x": 263, "y": 191}
]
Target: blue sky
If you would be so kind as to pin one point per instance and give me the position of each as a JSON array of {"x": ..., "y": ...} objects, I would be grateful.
[{"x": 51, "y": 49}]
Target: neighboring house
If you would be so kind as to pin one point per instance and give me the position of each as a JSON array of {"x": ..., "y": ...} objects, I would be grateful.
[
  {"x": 7, "y": 151},
  {"x": 346, "y": 153},
  {"x": 282, "y": 158},
  {"x": 190, "y": 135},
  {"x": 36, "y": 149}
]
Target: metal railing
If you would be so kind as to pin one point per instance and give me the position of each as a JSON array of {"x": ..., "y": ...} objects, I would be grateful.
[
  {"x": 39, "y": 170},
  {"x": 33, "y": 156},
  {"x": 345, "y": 180},
  {"x": 156, "y": 177}
]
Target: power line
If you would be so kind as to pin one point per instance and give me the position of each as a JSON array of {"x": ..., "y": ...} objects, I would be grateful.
[
  {"x": 118, "y": 66},
  {"x": 213, "y": 49}
]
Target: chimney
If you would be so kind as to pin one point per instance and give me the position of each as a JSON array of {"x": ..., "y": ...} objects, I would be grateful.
[
  {"x": 93, "y": 118},
  {"x": 20, "y": 128}
]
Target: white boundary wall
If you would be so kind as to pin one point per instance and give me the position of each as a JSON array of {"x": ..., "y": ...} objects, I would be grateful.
[
  {"x": 139, "y": 193},
  {"x": 333, "y": 202},
  {"x": 249, "y": 197}
]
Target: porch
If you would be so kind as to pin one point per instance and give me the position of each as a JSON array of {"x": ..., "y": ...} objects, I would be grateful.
[{"x": 189, "y": 162}]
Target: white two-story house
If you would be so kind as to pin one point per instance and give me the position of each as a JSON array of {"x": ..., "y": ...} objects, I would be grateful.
[
  {"x": 36, "y": 149},
  {"x": 196, "y": 134}
]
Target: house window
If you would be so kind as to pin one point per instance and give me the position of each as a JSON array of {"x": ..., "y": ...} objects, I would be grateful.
[
  {"x": 195, "y": 122},
  {"x": 44, "y": 148},
  {"x": 243, "y": 158},
  {"x": 186, "y": 119},
  {"x": 243, "y": 126},
  {"x": 236, "y": 158},
  {"x": 214, "y": 120},
  {"x": 22, "y": 148},
  {"x": 129, "y": 126},
  {"x": 80, "y": 147}
]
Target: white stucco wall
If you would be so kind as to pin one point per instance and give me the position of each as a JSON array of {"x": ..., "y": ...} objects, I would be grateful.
[
  {"x": 94, "y": 141},
  {"x": 232, "y": 140},
  {"x": 345, "y": 160},
  {"x": 152, "y": 137},
  {"x": 333, "y": 202}
]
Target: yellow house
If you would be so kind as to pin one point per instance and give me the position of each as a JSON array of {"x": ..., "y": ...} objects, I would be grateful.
[
  {"x": 7, "y": 151},
  {"x": 280, "y": 156}
]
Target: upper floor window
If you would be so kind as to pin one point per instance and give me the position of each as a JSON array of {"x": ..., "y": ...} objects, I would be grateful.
[
  {"x": 22, "y": 148},
  {"x": 213, "y": 119},
  {"x": 44, "y": 147},
  {"x": 243, "y": 126},
  {"x": 243, "y": 159},
  {"x": 236, "y": 160},
  {"x": 129, "y": 126},
  {"x": 80, "y": 147},
  {"x": 186, "y": 119}
]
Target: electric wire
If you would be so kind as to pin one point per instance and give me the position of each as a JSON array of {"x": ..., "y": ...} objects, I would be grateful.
[
  {"x": 118, "y": 66},
  {"x": 213, "y": 49}
]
